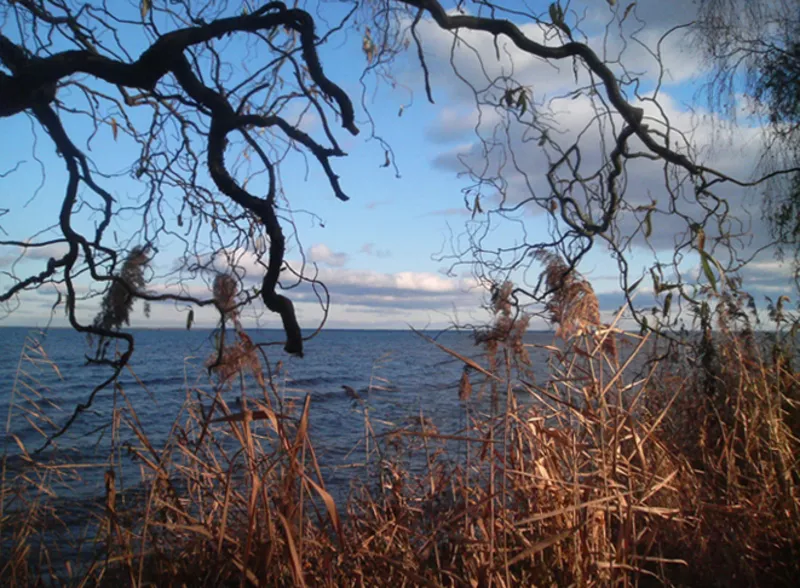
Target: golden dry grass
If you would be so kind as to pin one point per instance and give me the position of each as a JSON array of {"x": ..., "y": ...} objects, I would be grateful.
[{"x": 609, "y": 474}]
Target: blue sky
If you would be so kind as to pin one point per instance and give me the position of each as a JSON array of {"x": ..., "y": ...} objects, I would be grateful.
[{"x": 377, "y": 252}]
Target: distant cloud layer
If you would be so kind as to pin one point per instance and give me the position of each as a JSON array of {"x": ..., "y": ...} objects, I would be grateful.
[
  {"x": 321, "y": 253},
  {"x": 482, "y": 139}
]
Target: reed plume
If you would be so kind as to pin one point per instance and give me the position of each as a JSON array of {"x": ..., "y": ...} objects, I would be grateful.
[
  {"x": 572, "y": 304},
  {"x": 241, "y": 356},
  {"x": 117, "y": 304}
]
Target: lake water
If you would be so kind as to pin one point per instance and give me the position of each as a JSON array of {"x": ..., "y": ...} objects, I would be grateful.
[
  {"x": 397, "y": 374},
  {"x": 405, "y": 375}
]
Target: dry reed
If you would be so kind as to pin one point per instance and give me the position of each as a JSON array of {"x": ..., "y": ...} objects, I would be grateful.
[{"x": 614, "y": 471}]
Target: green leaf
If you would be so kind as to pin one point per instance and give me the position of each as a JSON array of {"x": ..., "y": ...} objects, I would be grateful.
[
  {"x": 542, "y": 140},
  {"x": 554, "y": 10},
  {"x": 701, "y": 238},
  {"x": 704, "y": 311},
  {"x": 476, "y": 207},
  {"x": 635, "y": 285},
  {"x": 627, "y": 12},
  {"x": 557, "y": 16},
  {"x": 656, "y": 281},
  {"x": 522, "y": 102},
  {"x": 190, "y": 319},
  {"x": 667, "y": 304},
  {"x": 705, "y": 262}
]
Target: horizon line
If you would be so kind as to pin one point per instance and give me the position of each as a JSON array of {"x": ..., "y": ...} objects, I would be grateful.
[{"x": 194, "y": 328}]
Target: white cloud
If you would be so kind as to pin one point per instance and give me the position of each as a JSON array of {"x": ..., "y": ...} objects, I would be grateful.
[
  {"x": 520, "y": 164},
  {"x": 768, "y": 277},
  {"x": 491, "y": 63},
  {"x": 54, "y": 250},
  {"x": 401, "y": 283},
  {"x": 508, "y": 151},
  {"x": 382, "y": 292},
  {"x": 359, "y": 299},
  {"x": 321, "y": 253}
]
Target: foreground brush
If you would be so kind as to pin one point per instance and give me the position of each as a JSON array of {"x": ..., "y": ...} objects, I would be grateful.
[{"x": 633, "y": 462}]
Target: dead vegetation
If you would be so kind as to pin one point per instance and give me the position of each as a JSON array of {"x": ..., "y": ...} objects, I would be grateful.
[
  {"x": 609, "y": 473},
  {"x": 118, "y": 301}
]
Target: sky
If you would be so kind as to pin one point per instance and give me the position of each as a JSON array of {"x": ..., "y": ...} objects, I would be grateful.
[{"x": 382, "y": 254}]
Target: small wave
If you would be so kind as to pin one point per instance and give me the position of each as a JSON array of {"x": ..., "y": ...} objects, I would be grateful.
[
  {"x": 163, "y": 381},
  {"x": 312, "y": 381}
]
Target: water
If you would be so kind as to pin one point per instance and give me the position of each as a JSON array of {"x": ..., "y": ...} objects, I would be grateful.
[
  {"x": 397, "y": 374},
  {"x": 408, "y": 375}
]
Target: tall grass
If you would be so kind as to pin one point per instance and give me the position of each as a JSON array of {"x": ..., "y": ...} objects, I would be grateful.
[{"x": 625, "y": 467}]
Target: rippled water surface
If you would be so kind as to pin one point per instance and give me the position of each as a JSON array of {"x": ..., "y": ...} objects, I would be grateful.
[
  {"x": 396, "y": 374},
  {"x": 403, "y": 373}
]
